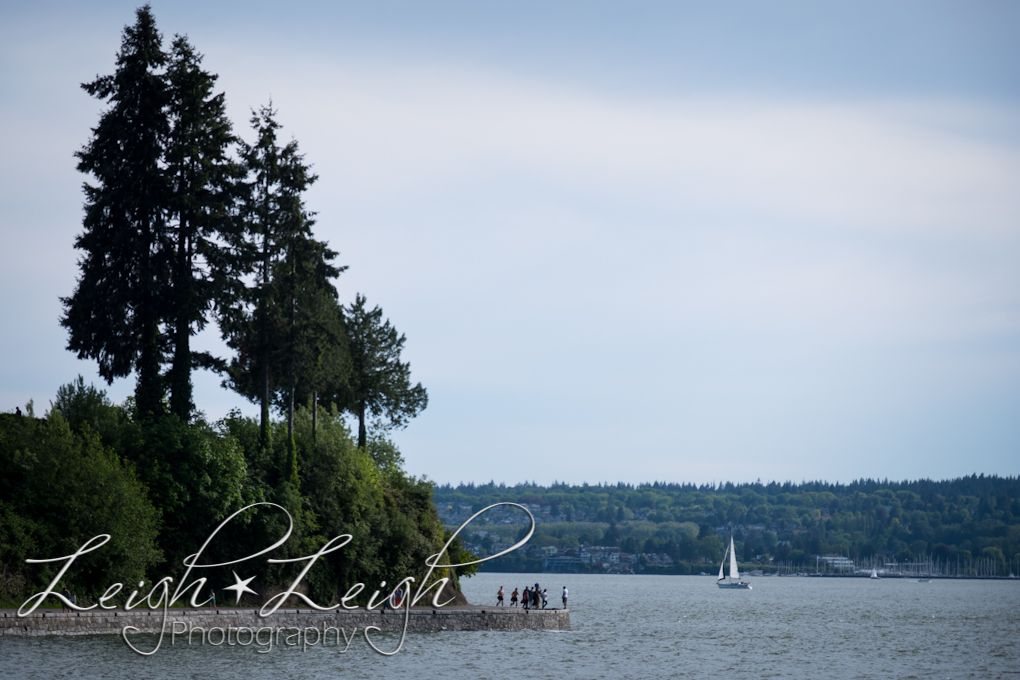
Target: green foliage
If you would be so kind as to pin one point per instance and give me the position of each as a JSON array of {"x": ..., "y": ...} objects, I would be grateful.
[
  {"x": 390, "y": 516},
  {"x": 282, "y": 325},
  {"x": 61, "y": 485},
  {"x": 60, "y": 488},
  {"x": 202, "y": 179},
  {"x": 114, "y": 313},
  {"x": 961, "y": 520},
  {"x": 385, "y": 454},
  {"x": 379, "y": 384},
  {"x": 461, "y": 555},
  {"x": 194, "y": 476},
  {"x": 163, "y": 194},
  {"x": 87, "y": 407}
]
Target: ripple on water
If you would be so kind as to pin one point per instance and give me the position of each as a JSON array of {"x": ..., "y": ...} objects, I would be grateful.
[{"x": 631, "y": 627}]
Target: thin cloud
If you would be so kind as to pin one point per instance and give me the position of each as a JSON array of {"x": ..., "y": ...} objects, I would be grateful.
[
  {"x": 628, "y": 281},
  {"x": 863, "y": 165}
]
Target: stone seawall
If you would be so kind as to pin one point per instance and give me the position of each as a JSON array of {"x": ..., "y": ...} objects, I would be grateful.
[{"x": 422, "y": 620}]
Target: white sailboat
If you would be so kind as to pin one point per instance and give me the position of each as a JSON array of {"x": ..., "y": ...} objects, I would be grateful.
[
  {"x": 874, "y": 574},
  {"x": 734, "y": 579}
]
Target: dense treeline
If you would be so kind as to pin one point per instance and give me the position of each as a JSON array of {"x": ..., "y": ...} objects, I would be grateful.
[
  {"x": 952, "y": 520},
  {"x": 186, "y": 224},
  {"x": 88, "y": 467}
]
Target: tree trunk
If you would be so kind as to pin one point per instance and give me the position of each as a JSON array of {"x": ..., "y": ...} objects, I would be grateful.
[
  {"x": 264, "y": 344},
  {"x": 361, "y": 424},
  {"x": 315, "y": 412},
  {"x": 180, "y": 372},
  {"x": 149, "y": 388},
  {"x": 292, "y": 371},
  {"x": 290, "y": 410},
  {"x": 292, "y": 473}
]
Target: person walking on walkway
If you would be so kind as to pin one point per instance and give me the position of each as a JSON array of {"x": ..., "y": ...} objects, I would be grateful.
[
  {"x": 545, "y": 597},
  {"x": 499, "y": 597},
  {"x": 526, "y": 598},
  {"x": 564, "y": 597},
  {"x": 513, "y": 598}
]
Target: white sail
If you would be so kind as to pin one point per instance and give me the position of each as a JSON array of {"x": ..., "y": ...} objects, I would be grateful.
[
  {"x": 721, "y": 565},
  {"x": 734, "y": 574}
]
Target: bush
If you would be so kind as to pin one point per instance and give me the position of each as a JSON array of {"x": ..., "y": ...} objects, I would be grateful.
[{"x": 60, "y": 489}]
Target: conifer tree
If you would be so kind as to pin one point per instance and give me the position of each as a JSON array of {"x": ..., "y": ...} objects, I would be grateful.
[
  {"x": 314, "y": 353},
  {"x": 322, "y": 358},
  {"x": 114, "y": 314},
  {"x": 272, "y": 322},
  {"x": 202, "y": 180},
  {"x": 379, "y": 384}
]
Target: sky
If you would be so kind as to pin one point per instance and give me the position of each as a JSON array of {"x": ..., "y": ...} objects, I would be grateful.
[{"x": 676, "y": 241}]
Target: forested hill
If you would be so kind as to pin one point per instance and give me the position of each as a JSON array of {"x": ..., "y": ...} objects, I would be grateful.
[
  {"x": 975, "y": 485},
  {"x": 975, "y": 517}
]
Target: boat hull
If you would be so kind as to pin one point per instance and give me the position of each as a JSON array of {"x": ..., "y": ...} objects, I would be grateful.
[{"x": 737, "y": 586}]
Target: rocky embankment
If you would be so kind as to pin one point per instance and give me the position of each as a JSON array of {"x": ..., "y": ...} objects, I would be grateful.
[{"x": 422, "y": 620}]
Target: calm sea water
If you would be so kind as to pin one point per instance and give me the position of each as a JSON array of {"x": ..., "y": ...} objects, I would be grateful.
[{"x": 632, "y": 627}]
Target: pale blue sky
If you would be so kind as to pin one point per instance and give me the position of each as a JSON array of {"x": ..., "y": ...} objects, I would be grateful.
[{"x": 626, "y": 241}]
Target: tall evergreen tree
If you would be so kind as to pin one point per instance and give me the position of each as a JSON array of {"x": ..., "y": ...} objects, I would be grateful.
[
  {"x": 379, "y": 384},
  {"x": 323, "y": 360},
  {"x": 271, "y": 324},
  {"x": 315, "y": 351},
  {"x": 114, "y": 314},
  {"x": 202, "y": 179}
]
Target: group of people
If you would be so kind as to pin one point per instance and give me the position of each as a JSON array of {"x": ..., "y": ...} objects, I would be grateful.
[
  {"x": 531, "y": 598},
  {"x": 70, "y": 596}
]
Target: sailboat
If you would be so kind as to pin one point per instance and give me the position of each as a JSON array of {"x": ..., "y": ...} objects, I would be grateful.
[
  {"x": 734, "y": 579},
  {"x": 874, "y": 574}
]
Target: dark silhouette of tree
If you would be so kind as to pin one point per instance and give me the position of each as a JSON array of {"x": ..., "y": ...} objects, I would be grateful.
[
  {"x": 379, "y": 384},
  {"x": 273, "y": 320},
  {"x": 162, "y": 196},
  {"x": 314, "y": 349},
  {"x": 202, "y": 180},
  {"x": 114, "y": 314}
]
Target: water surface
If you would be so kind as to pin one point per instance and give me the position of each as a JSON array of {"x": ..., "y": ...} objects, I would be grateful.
[{"x": 631, "y": 627}]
